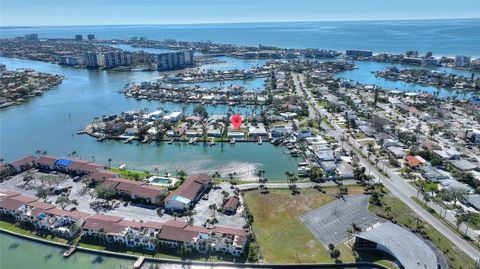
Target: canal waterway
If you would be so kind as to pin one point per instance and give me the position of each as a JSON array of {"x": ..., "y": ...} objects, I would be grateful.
[
  {"x": 22, "y": 253},
  {"x": 364, "y": 75},
  {"x": 50, "y": 123}
]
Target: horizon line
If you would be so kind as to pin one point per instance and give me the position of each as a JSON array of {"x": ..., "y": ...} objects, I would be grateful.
[{"x": 252, "y": 22}]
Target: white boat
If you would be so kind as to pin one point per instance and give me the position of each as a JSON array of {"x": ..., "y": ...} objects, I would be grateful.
[
  {"x": 232, "y": 141},
  {"x": 260, "y": 141},
  {"x": 212, "y": 142}
]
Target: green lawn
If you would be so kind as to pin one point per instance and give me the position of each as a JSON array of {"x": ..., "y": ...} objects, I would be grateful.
[
  {"x": 128, "y": 174},
  {"x": 403, "y": 215},
  {"x": 360, "y": 135},
  {"x": 165, "y": 253},
  {"x": 282, "y": 237},
  {"x": 11, "y": 227}
]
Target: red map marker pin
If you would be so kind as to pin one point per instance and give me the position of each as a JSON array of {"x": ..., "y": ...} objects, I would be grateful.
[{"x": 236, "y": 121}]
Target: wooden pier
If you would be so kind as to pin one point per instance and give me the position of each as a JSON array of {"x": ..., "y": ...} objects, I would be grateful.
[{"x": 139, "y": 262}]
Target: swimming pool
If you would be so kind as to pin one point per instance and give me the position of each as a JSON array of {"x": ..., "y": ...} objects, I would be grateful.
[{"x": 162, "y": 181}]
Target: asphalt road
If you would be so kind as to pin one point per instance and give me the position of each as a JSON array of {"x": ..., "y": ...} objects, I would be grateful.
[{"x": 398, "y": 186}]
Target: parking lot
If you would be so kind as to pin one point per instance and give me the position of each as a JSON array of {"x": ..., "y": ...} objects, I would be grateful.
[
  {"x": 128, "y": 211},
  {"x": 203, "y": 212},
  {"x": 330, "y": 222}
]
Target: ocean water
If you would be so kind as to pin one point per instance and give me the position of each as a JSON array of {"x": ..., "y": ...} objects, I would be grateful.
[
  {"x": 44, "y": 123},
  {"x": 442, "y": 37}
]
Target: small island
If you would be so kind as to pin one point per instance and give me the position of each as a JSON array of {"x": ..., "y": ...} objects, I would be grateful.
[{"x": 17, "y": 86}]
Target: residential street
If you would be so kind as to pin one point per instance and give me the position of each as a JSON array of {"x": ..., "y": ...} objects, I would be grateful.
[{"x": 398, "y": 186}]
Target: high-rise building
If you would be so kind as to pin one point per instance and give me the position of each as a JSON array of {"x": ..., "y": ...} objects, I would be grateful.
[
  {"x": 116, "y": 58},
  {"x": 174, "y": 60},
  {"x": 78, "y": 37},
  {"x": 462, "y": 61},
  {"x": 107, "y": 59},
  {"x": 31, "y": 37},
  {"x": 91, "y": 37},
  {"x": 359, "y": 53},
  {"x": 93, "y": 59}
]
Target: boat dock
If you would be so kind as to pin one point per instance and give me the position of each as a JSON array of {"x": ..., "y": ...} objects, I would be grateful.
[
  {"x": 139, "y": 262},
  {"x": 69, "y": 252}
]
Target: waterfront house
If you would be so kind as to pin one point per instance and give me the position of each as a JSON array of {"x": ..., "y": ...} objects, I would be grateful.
[
  {"x": 236, "y": 134},
  {"x": 22, "y": 164},
  {"x": 89, "y": 168},
  {"x": 100, "y": 223},
  {"x": 63, "y": 165},
  {"x": 5, "y": 171},
  {"x": 185, "y": 196},
  {"x": 193, "y": 133},
  {"x": 100, "y": 176},
  {"x": 280, "y": 131},
  {"x": 60, "y": 222},
  {"x": 258, "y": 131},
  {"x": 30, "y": 211},
  {"x": 176, "y": 234},
  {"x": 228, "y": 240},
  {"x": 12, "y": 203},
  {"x": 46, "y": 162},
  {"x": 75, "y": 166}
]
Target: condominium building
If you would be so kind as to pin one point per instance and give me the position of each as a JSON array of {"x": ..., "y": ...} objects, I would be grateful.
[
  {"x": 107, "y": 59},
  {"x": 462, "y": 61},
  {"x": 175, "y": 60}
]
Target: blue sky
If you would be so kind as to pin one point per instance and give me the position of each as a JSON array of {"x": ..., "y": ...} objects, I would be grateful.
[{"x": 124, "y": 12}]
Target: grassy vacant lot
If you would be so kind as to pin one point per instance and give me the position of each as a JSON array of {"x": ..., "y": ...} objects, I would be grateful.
[
  {"x": 403, "y": 215},
  {"x": 283, "y": 238}
]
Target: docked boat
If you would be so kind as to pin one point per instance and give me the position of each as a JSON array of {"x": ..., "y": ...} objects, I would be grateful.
[
  {"x": 170, "y": 142},
  {"x": 69, "y": 252},
  {"x": 212, "y": 142},
  {"x": 294, "y": 152},
  {"x": 232, "y": 141},
  {"x": 260, "y": 141}
]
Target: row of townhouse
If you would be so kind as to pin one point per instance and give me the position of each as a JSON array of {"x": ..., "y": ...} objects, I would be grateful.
[
  {"x": 137, "y": 190},
  {"x": 95, "y": 172},
  {"x": 172, "y": 234},
  {"x": 41, "y": 215},
  {"x": 113, "y": 229}
]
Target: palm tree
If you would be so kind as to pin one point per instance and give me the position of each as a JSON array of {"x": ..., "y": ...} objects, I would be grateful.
[
  {"x": 458, "y": 222},
  {"x": 213, "y": 207},
  {"x": 388, "y": 210},
  {"x": 289, "y": 176},
  {"x": 109, "y": 161}
]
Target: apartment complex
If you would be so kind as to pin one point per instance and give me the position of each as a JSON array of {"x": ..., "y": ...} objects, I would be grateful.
[
  {"x": 175, "y": 60},
  {"x": 107, "y": 59}
]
